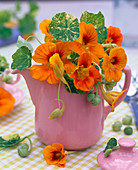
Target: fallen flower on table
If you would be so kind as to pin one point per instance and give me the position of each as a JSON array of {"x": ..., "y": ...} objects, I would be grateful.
[
  {"x": 55, "y": 155},
  {"x": 6, "y": 102}
]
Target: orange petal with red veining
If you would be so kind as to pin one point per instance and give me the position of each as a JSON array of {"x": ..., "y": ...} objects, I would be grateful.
[
  {"x": 88, "y": 34},
  {"x": 69, "y": 66},
  {"x": 43, "y": 72},
  {"x": 43, "y": 52},
  {"x": 98, "y": 50}
]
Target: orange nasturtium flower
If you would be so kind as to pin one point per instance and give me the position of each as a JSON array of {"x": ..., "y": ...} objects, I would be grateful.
[
  {"x": 53, "y": 59},
  {"x": 85, "y": 75},
  {"x": 87, "y": 41},
  {"x": 55, "y": 155},
  {"x": 114, "y": 36},
  {"x": 6, "y": 102},
  {"x": 114, "y": 64}
]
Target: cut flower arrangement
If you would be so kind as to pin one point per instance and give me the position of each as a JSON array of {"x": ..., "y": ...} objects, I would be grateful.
[
  {"x": 80, "y": 59},
  {"x": 81, "y": 55}
]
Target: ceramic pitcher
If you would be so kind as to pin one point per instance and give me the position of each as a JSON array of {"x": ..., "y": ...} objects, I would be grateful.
[{"x": 81, "y": 124}]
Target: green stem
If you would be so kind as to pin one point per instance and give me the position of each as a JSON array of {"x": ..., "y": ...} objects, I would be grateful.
[
  {"x": 72, "y": 152},
  {"x": 30, "y": 144},
  {"x": 96, "y": 89},
  {"x": 59, "y": 86},
  {"x": 33, "y": 36},
  {"x": 14, "y": 144}
]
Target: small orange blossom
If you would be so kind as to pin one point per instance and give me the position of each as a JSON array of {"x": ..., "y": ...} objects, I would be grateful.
[
  {"x": 55, "y": 155},
  {"x": 85, "y": 75},
  {"x": 87, "y": 41},
  {"x": 114, "y": 64},
  {"x": 114, "y": 36},
  {"x": 45, "y": 54}
]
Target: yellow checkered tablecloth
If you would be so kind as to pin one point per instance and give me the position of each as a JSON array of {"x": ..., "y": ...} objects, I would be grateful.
[{"x": 21, "y": 121}]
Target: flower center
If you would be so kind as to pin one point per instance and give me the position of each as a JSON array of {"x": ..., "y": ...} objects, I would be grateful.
[
  {"x": 57, "y": 155},
  {"x": 114, "y": 60},
  {"x": 85, "y": 40},
  {"x": 82, "y": 73}
]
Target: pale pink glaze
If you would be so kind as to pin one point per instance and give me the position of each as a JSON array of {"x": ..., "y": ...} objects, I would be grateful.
[
  {"x": 15, "y": 91},
  {"x": 125, "y": 158},
  {"x": 80, "y": 126}
]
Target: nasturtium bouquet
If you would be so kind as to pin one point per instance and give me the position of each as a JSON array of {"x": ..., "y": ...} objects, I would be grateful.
[{"x": 81, "y": 54}]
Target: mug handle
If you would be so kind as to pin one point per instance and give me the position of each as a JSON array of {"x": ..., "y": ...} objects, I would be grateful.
[
  {"x": 8, "y": 71},
  {"x": 127, "y": 72}
]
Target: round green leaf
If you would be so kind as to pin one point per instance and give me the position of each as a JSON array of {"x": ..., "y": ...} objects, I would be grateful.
[
  {"x": 96, "y": 19},
  {"x": 64, "y": 27},
  {"x": 21, "y": 58}
]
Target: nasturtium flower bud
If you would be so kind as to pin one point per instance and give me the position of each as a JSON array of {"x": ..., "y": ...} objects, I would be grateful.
[
  {"x": 90, "y": 97},
  {"x": 109, "y": 85},
  {"x": 56, "y": 113},
  {"x": 23, "y": 150},
  {"x": 127, "y": 120},
  {"x": 7, "y": 79},
  {"x": 117, "y": 126},
  {"x": 96, "y": 100},
  {"x": 128, "y": 130}
]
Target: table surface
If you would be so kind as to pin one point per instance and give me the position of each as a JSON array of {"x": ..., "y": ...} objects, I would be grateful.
[{"x": 21, "y": 119}]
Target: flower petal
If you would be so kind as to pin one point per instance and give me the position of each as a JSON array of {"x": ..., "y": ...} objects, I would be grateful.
[
  {"x": 42, "y": 73},
  {"x": 84, "y": 85},
  {"x": 55, "y": 59},
  {"x": 93, "y": 72},
  {"x": 69, "y": 66},
  {"x": 43, "y": 26},
  {"x": 98, "y": 50},
  {"x": 58, "y": 147},
  {"x": 85, "y": 59},
  {"x": 43, "y": 52},
  {"x": 63, "y": 48},
  {"x": 6, "y": 102},
  {"x": 115, "y": 96}
]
